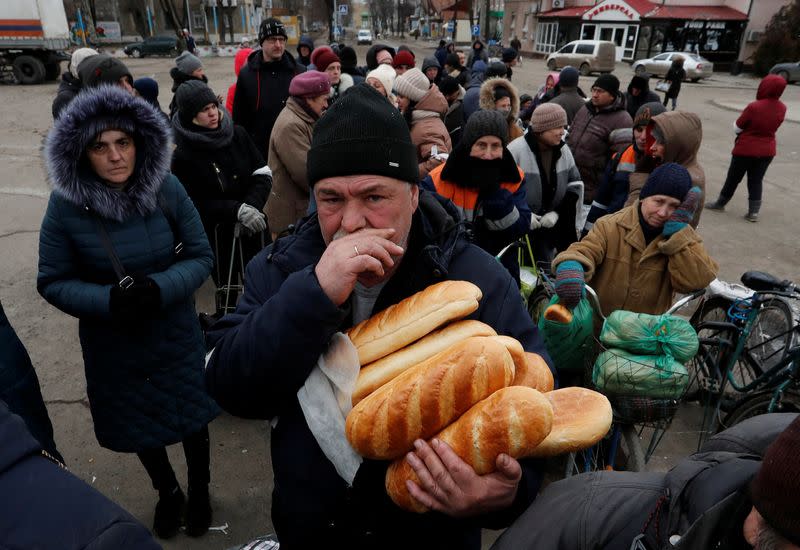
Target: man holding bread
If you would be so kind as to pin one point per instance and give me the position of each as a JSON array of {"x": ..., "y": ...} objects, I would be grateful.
[
  {"x": 375, "y": 240},
  {"x": 639, "y": 257}
]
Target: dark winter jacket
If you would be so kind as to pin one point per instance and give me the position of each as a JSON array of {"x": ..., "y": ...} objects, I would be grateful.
[
  {"x": 476, "y": 54},
  {"x": 45, "y": 506},
  {"x": 612, "y": 193},
  {"x": 571, "y": 100},
  {"x": 261, "y": 92},
  {"x": 68, "y": 88},
  {"x": 454, "y": 118},
  {"x": 589, "y": 140},
  {"x": 441, "y": 55},
  {"x": 179, "y": 78},
  {"x": 258, "y": 377},
  {"x": 675, "y": 76},
  {"x": 701, "y": 502},
  {"x": 761, "y": 119},
  {"x": 144, "y": 379},
  {"x": 472, "y": 96},
  {"x": 19, "y": 386},
  {"x": 560, "y": 192},
  {"x": 220, "y": 178},
  {"x": 633, "y": 102}
]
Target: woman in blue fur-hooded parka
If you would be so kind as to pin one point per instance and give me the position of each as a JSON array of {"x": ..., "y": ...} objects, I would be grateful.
[{"x": 109, "y": 255}]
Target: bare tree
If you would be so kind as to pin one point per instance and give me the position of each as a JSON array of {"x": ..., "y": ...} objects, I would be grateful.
[{"x": 173, "y": 15}]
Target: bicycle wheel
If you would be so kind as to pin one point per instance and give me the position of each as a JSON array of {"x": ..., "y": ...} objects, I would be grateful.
[
  {"x": 759, "y": 403},
  {"x": 771, "y": 336}
]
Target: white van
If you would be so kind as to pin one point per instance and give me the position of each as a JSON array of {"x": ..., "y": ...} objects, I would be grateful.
[{"x": 588, "y": 56}]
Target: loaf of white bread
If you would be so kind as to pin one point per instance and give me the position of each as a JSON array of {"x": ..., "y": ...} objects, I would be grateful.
[
  {"x": 412, "y": 318},
  {"x": 581, "y": 418},
  {"x": 427, "y": 397},
  {"x": 378, "y": 373},
  {"x": 529, "y": 368},
  {"x": 513, "y": 420}
]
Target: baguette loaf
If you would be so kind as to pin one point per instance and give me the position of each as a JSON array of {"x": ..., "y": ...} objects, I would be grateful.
[
  {"x": 376, "y": 374},
  {"x": 558, "y": 314},
  {"x": 409, "y": 320},
  {"x": 427, "y": 397},
  {"x": 534, "y": 373},
  {"x": 581, "y": 418},
  {"x": 513, "y": 420}
]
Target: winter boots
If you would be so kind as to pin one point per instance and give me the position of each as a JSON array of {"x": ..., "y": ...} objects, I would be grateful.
[
  {"x": 718, "y": 204},
  {"x": 169, "y": 513},
  {"x": 198, "y": 511},
  {"x": 752, "y": 211}
]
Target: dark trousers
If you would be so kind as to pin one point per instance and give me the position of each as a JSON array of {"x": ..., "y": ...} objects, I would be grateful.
[
  {"x": 197, "y": 449},
  {"x": 754, "y": 167}
]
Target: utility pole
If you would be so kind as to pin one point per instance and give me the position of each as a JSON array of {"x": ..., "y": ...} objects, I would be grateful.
[{"x": 400, "y": 17}]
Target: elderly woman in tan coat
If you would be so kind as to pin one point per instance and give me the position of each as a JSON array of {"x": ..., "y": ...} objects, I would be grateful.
[
  {"x": 424, "y": 107},
  {"x": 288, "y": 146},
  {"x": 638, "y": 258}
]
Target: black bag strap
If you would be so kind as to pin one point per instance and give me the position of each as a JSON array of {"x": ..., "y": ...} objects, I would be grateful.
[
  {"x": 125, "y": 280},
  {"x": 173, "y": 226}
]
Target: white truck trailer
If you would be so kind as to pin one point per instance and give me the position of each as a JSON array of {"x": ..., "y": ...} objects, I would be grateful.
[{"x": 34, "y": 35}]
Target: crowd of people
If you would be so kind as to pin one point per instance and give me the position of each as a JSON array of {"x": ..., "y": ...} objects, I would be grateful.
[{"x": 344, "y": 189}]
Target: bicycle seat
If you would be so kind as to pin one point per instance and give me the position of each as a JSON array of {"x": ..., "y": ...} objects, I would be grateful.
[{"x": 761, "y": 281}]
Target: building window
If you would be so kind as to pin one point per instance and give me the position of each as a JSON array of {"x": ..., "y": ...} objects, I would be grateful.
[
  {"x": 587, "y": 32},
  {"x": 546, "y": 35}
]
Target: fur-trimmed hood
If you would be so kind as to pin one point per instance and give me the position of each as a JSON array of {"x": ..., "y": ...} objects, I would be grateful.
[
  {"x": 94, "y": 111},
  {"x": 487, "y": 96}
]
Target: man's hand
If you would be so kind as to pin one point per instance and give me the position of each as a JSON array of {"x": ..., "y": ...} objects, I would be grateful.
[
  {"x": 365, "y": 252},
  {"x": 682, "y": 215},
  {"x": 450, "y": 485}
]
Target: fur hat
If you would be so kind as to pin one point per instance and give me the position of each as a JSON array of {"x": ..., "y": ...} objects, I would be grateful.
[
  {"x": 386, "y": 74},
  {"x": 670, "y": 179},
  {"x": 310, "y": 84},
  {"x": 777, "y": 483},
  {"x": 191, "y": 97},
  {"x": 188, "y": 63},
  {"x": 412, "y": 84},
  {"x": 485, "y": 123},
  {"x": 323, "y": 56},
  {"x": 77, "y": 56},
  {"x": 548, "y": 116},
  {"x": 362, "y": 133},
  {"x": 569, "y": 77},
  {"x": 271, "y": 27},
  {"x": 607, "y": 82},
  {"x": 102, "y": 69}
]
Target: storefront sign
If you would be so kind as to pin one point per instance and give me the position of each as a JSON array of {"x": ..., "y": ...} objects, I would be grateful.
[{"x": 612, "y": 11}]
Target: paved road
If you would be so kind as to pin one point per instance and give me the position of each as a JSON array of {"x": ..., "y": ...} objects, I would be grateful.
[{"x": 241, "y": 477}]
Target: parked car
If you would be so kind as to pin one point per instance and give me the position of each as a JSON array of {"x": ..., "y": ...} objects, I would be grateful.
[
  {"x": 153, "y": 45},
  {"x": 589, "y": 56},
  {"x": 696, "y": 66},
  {"x": 789, "y": 71},
  {"x": 364, "y": 36}
]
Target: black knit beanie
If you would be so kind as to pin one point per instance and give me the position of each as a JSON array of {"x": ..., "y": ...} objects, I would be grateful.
[
  {"x": 775, "y": 488},
  {"x": 670, "y": 179},
  {"x": 485, "y": 123},
  {"x": 607, "y": 82},
  {"x": 361, "y": 133},
  {"x": 102, "y": 69},
  {"x": 192, "y": 96}
]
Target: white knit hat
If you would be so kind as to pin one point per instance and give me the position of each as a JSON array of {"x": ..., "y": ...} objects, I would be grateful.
[
  {"x": 412, "y": 84},
  {"x": 386, "y": 75},
  {"x": 77, "y": 56}
]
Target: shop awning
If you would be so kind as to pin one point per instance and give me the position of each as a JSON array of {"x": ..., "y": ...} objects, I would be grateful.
[
  {"x": 702, "y": 13},
  {"x": 566, "y": 12}
]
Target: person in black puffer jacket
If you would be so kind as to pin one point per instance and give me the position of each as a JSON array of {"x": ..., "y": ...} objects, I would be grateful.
[
  {"x": 70, "y": 83},
  {"x": 223, "y": 173}
]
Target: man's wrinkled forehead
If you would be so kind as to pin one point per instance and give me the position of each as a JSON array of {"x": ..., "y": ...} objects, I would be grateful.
[{"x": 358, "y": 184}]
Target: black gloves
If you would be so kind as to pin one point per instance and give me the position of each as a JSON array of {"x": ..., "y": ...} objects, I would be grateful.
[{"x": 141, "y": 300}]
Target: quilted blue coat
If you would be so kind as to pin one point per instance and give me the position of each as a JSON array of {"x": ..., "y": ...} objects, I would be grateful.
[{"x": 144, "y": 379}]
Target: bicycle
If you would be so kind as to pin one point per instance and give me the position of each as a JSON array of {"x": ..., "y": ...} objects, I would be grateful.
[{"x": 763, "y": 374}]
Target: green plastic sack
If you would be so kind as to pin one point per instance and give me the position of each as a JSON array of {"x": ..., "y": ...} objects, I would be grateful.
[
  {"x": 618, "y": 372},
  {"x": 528, "y": 278},
  {"x": 570, "y": 345},
  {"x": 650, "y": 334}
]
